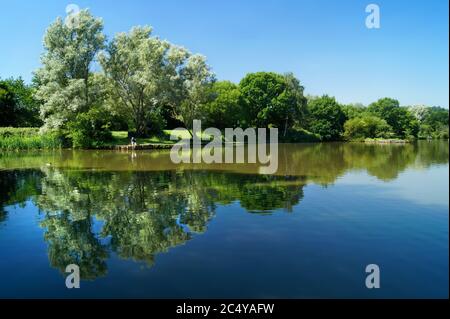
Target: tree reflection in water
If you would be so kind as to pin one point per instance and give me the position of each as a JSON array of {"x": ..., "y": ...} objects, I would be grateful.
[
  {"x": 143, "y": 213},
  {"x": 88, "y": 214}
]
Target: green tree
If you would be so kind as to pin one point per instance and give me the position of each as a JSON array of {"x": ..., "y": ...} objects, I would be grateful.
[
  {"x": 224, "y": 108},
  {"x": 146, "y": 74},
  {"x": 433, "y": 122},
  {"x": 7, "y": 105},
  {"x": 196, "y": 81},
  {"x": 326, "y": 117},
  {"x": 89, "y": 129},
  {"x": 293, "y": 109},
  {"x": 367, "y": 126},
  {"x": 271, "y": 99},
  {"x": 64, "y": 81},
  {"x": 354, "y": 110},
  {"x": 420, "y": 112},
  {"x": 21, "y": 110},
  {"x": 436, "y": 116},
  {"x": 134, "y": 65},
  {"x": 399, "y": 118}
]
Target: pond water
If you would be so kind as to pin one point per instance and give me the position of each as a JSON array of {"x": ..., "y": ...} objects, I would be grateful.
[{"x": 140, "y": 226}]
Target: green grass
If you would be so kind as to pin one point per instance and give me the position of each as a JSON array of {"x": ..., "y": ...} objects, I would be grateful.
[
  {"x": 121, "y": 138},
  {"x": 385, "y": 140},
  {"x": 18, "y": 131},
  {"x": 27, "y": 138}
]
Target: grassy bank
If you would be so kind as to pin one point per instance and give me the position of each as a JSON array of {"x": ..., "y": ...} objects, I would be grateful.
[
  {"x": 27, "y": 138},
  {"x": 381, "y": 140},
  {"x": 30, "y": 138},
  {"x": 12, "y": 138},
  {"x": 121, "y": 138},
  {"x": 387, "y": 141}
]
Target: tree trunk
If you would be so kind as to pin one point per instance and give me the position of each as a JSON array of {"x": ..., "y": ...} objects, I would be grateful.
[
  {"x": 141, "y": 125},
  {"x": 141, "y": 129},
  {"x": 86, "y": 90}
]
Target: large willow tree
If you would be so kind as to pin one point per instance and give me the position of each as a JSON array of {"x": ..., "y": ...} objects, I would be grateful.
[
  {"x": 146, "y": 73},
  {"x": 65, "y": 82}
]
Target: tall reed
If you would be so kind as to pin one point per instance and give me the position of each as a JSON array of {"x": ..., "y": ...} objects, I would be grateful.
[{"x": 27, "y": 138}]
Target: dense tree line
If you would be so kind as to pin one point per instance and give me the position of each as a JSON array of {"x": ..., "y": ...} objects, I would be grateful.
[
  {"x": 386, "y": 118},
  {"x": 18, "y": 108},
  {"x": 146, "y": 84}
]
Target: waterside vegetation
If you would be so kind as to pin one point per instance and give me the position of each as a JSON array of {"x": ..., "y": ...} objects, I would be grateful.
[{"x": 144, "y": 87}]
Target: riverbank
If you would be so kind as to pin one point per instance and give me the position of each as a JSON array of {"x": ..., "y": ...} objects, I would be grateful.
[
  {"x": 30, "y": 139},
  {"x": 12, "y": 139},
  {"x": 27, "y": 138},
  {"x": 147, "y": 146},
  {"x": 386, "y": 141}
]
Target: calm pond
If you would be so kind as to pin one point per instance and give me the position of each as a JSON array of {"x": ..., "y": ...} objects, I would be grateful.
[{"x": 140, "y": 226}]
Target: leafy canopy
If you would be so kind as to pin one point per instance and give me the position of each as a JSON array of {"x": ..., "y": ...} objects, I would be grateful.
[{"x": 326, "y": 117}]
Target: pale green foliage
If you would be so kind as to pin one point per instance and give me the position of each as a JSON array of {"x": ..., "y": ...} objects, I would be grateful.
[
  {"x": 64, "y": 81},
  {"x": 420, "y": 112},
  {"x": 197, "y": 79},
  {"x": 134, "y": 66},
  {"x": 146, "y": 73}
]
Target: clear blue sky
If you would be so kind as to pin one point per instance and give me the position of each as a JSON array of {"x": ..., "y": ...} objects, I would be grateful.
[{"x": 325, "y": 43}]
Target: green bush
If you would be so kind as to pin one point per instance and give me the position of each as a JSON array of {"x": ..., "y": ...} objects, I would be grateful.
[
  {"x": 89, "y": 130},
  {"x": 18, "y": 107},
  {"x": 433, "y": 132},
  {"x": 156, "y": 122},
  {"x": 28, "y": 138},
  {"x": 18, "y": 131},
  {"x": 299, "y": 135},
  {"x": 367, "y": 127},
  {"x": 402, "y": 121}
]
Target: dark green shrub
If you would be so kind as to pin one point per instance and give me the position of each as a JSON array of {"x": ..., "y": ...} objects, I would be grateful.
[
  {"x": 299, "y": 135},
  {"x": 90, "y": 129}
]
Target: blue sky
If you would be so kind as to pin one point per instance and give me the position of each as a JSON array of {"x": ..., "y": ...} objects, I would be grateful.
[{"x": 324, "y": 42}]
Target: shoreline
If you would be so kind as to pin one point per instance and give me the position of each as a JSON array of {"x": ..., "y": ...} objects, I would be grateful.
[
  {"x": 160, "y": 146},
  {"x": 168, "y": 146},
  {"x": 386, "y": 141}
]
